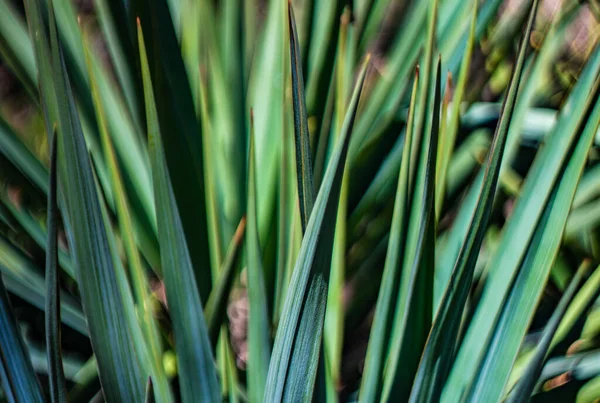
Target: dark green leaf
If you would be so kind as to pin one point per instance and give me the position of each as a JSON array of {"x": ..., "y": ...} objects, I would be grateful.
[
  {"x": 58, "y": 389},
  {"x": 94, "y": 255},
  {"x": 150, "y": 391},
  {"x": 183, "y": 146},
  {"x": 23, "y": 159},
  {"x": 196, "y": 367},
  {"x": 304, "y": 169},
  {"x": 17, "y": 377}
]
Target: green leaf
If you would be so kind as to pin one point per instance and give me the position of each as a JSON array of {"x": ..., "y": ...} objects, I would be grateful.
[
  {"x": 117, "y": 27},
  {"x": 34, "y": 228},
  {"x": 334, "y": 315},
  {"x": 304, "y": 169},
  {"x": 414, "y": 306},
  {"x": 287, "y": 212},
  {"x": 589, "y": 392},
  {"x": 196, "y": 367},
  {"x": 266, "y": 95},
  {"x": 370, "y": 17},
  {"x": 527, "y": 383},
  {"x": 259, "y": 338},
  {"x": 411, "y": 317},
  {"x": 12, "y": 147},
  {"x": 372, "y": 380},
  {"x": 439, "y": 351},
  {"x": 124, "y": 131},
  {"x": 18, "y": 380},
  {"x": 403, "y": 55},
  {"x": 541, "y": 66},
  {"x": 150, "y": 391},
  {"x": 580, "y": 307},
  {"x": 319, "y": 54},
  {"x": 15, "y": 46},
  {"x": 530, "y": 280},
  {"x": 183, "y": 147},
  {"x": 448, "y": 139},
  {"x": 58, "y": 388},
  {"x": 202, "y": 46},
  {"x": 23, "y": 278},
  {"x": 137, "y": 274},
  {"x": 223, "y": 271},
  {"x": 216, "y": 307},
  {"x": 94, "y": 255},
  {"x": 298, "y": 341},
  {"x": 517, "y": 271}
]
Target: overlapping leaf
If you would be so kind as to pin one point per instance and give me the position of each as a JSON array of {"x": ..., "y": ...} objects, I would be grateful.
[{"x": 297, "y": 346}]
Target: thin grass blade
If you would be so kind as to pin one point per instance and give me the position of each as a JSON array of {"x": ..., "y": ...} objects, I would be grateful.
[
  {"x": 543, "y": 63},
  {"x": 34, "y": 228}
]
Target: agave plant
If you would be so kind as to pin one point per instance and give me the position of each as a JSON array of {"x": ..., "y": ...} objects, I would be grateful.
[{"x": 390, "y": 235}]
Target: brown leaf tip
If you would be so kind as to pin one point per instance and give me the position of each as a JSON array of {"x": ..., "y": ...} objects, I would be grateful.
[{"x": 239, "y": 232}]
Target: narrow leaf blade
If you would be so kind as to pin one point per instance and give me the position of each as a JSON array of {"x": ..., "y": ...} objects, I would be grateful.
[
  {"x": 304, "y": 170},
  {"x": 58, "y": 389},
  {"x": 259, "y": 339},
  {"x": 196, "y": 367},
  {"x": 298, "y": 341}
]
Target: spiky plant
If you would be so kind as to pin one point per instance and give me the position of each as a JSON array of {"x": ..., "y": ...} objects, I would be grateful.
[{"x": 271, "y": 201}]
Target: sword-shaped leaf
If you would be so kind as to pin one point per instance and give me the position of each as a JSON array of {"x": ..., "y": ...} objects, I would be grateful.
[
  {"x": 439, "y": 351},
  {"x": 543, "y": 200},
  {"x": 94, "y": 255},
  {"x": 372, "y": 381},
  {"x": 195, "y": 362},
  {"x": 298, "y": 341},
  {"x": 259, "y": 337},
  {"x": 527, "y": 383},
  {"x": 304, "y": 169},
  {"x": 17, "y": 378}
]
